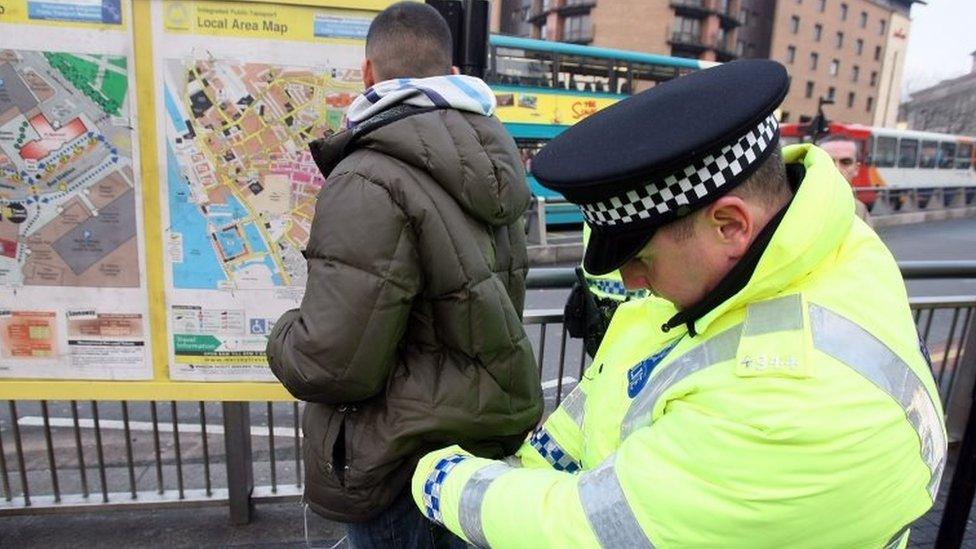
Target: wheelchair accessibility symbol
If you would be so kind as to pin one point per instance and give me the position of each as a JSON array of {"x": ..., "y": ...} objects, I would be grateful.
[{"x": 259, "y": 326}]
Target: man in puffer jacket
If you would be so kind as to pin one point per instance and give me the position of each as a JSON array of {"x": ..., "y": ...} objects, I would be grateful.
[{"x": 410, "y": 334}]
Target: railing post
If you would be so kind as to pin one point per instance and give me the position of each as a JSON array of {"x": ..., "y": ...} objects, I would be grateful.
[
  {"x": 882, "y": 203},
  {"x": 936, "y": 200},
  {"x": 910, "y": 203},
  {"x": 240, "y": 472},
  {"x": 958, "y": 199},
  {"x": 536, "y": 218},
  {"x": 963, "y": 484},
  {"x": 540, "y": 207}
]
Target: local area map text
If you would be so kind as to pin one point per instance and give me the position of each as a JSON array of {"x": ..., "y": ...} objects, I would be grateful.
[
  {"x": 67, "y": 191},
  {"x": 241, "y": 182}
]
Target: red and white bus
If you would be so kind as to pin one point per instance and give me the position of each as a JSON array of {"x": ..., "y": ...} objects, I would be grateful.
[{"x": 903, "y": 158}]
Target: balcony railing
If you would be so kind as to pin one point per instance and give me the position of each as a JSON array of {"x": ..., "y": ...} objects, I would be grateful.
[
  {"x": 700, "y": 8},
  {"x": 685, "y": 38}
]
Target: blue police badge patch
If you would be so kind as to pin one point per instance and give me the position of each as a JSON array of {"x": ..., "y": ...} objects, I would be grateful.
[{"x": 638, "y": 375}]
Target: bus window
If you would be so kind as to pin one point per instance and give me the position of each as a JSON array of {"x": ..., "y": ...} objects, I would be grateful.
[
  {"x": 583, "y": 74},
  {"x": 520, "y": 67},
  {"x": 644, "y": 76},
  {"x": 930, "y": 150},
  {"x": 947, "y": 154},
  {"x": 907, "y": 153},
  {"x": 885, "y": 152},
  {"x": 964, "y": 156}
]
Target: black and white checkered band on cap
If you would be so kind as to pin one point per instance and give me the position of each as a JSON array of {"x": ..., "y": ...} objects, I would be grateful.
[{"x": 685, "y": 187}]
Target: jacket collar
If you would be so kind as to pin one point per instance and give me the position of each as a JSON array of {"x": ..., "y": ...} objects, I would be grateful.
[{"x": 803, "y": 235}]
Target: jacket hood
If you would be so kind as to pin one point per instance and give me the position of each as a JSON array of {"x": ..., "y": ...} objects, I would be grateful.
[
  {"x": 814, "y": 226},
  {"x": 471, "y": 156}
]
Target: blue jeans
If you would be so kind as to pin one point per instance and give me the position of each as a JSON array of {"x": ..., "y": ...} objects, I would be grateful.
[{"x": 401, "y": 526}]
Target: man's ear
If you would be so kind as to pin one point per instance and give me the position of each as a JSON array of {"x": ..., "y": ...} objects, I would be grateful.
[
  {"x": 369, "y": 76},
  {"x": 732, "y": 223}
]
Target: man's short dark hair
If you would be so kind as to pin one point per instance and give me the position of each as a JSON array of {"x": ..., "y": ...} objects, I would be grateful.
[
  {"x": 409, "y": 40},
  {"x": 768, "y": 185}
]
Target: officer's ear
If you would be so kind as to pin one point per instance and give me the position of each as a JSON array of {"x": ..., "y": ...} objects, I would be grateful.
[{"x": 731, "y": 223}]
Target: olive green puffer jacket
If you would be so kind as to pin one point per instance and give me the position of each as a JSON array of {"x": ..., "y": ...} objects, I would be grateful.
[{"x": 409, "y": 337}]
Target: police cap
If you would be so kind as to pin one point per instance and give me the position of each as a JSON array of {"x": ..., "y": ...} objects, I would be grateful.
[{"x": 664, "y": 153}]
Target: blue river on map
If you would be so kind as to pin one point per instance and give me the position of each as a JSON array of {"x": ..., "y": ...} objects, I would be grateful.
[
  {"x": 174, "y": 113},
  {"x": 200, "y": 268}
]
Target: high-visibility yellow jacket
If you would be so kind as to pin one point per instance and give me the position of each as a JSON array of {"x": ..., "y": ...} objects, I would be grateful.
[{"x": 802, "y": 414}]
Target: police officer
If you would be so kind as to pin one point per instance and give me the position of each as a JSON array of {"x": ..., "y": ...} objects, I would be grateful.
[{"x": 759, "y": 405}]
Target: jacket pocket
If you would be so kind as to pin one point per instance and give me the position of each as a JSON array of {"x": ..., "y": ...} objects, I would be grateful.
[
  {"x": 340, "y": 445},
  {"x": 321, "y": 440}
]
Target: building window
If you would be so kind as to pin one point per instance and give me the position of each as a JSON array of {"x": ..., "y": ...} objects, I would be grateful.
[
  {"x": 843, "y": 12},
  {"x": 874, "y": 78},
  {"x": 687, "y": 30},
  {"x": 814, "y": 58},
  {"x": 822, "y": 5},
  {"x": 877, "y": 53},
  {"x": 859, "y": 46},
  {"x": 831, "y": 92},
  {"x": 870, "y": 104},
  {"x": 795, "y": 24},
  {"x": 809, "y": 90},
  {"x": 785, "y": 117},
  {"x": 863, "y": 22},
  {"x": 744, "y": 17},
  {"x": 578, "y": 29},
  {"x": 855, "y": 73},
  {"x": 850, "y": 100},
  {"x": 840, "y": 40},
  {"x": 882, "y": 27},
  {"x": 834, "y": 67},
  {"x": 790, "y": 54},
  {"x": 817, "y": 32}
]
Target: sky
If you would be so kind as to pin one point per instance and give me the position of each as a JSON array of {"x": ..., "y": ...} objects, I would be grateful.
[{"x": 943, "y": 34}]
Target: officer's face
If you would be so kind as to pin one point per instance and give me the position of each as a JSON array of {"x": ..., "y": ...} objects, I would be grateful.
[{"x": 668, "y": 267}]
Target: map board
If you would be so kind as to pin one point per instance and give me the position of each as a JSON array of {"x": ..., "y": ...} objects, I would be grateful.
[{"x": 156, "y": 188}]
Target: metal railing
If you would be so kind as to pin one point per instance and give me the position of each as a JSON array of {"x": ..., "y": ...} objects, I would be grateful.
[
  {"x": 900, "y": 200},
  {"x": 68, "y": 456}
]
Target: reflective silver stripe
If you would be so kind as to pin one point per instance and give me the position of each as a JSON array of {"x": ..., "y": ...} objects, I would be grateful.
[
  {"x": 776, "y": 315},
  {"x": 610, "y": 516},
  {"x": 847, "y": 342},
  {"x": 472, "y": 495},
  {"x": 897, "y": 539},
  {"x": 574, "y": 405},
  {"x": 718, "y": 349}
]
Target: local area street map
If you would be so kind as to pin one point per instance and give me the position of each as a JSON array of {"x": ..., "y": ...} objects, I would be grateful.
[
  {"x": 67, "y": 192},
  {"x": 241, "y": 182}
]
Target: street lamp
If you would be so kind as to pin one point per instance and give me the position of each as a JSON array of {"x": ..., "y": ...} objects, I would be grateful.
[{"x": 819, "y": 126}]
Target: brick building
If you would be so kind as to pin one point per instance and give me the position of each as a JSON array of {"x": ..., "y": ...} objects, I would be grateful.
[{"x": 850, "y": 51}]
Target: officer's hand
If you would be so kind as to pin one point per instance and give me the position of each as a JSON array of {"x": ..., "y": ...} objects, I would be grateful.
[{"x": 424, "y": 469}]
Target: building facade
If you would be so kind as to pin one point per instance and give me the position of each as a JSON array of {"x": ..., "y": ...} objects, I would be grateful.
[
  {"x": 850, "y": 52},
  {"x": 947, "y": 107}
]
